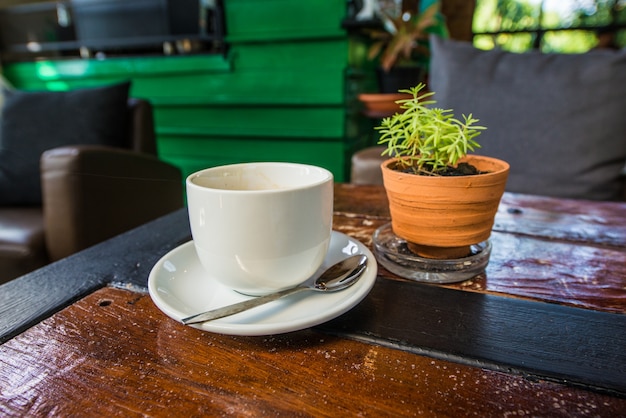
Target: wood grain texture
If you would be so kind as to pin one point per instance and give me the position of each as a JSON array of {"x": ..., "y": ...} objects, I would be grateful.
[
  {"x": 580, "y": 347},
  {"x": 128, "y": 359},
  {"x": 485, "y": 346},
  {"x": 576, "y": 221},
  {"x": 564, "y": 251}
]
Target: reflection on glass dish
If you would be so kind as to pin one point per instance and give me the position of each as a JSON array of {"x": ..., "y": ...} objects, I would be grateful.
[{"x": 393, "y": 253}]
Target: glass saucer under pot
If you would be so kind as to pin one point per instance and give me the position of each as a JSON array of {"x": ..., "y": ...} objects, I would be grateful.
[{"x": 393, "y": 253}]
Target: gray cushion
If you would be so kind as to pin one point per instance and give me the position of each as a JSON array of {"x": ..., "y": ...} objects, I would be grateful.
[
  {"x": 559, "y": 120},
  {"x": 33, "y": 122}
]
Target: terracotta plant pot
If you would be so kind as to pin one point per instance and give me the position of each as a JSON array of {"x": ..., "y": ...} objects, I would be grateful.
[
  {"x": 381, "y": 105},
  {"x": 442, "y": 216}
]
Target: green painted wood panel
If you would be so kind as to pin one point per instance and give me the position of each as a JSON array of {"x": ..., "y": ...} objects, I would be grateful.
[
  {"x": 262, "y": 20},
  {"x": 195, "y": 153},
  {"x": 81, "y": 69},
  {"x": 279, "y": 122}
]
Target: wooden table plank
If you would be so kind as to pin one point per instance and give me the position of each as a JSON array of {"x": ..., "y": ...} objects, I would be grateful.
[
  {"x": 128, "y": 359},
  {"x": 555, "y": 250},
  {"x": 566, "y": 344},
  {"x": 572, "y": 274},
  {"x": 597, "y": 223},
  {"x": 580, "y": 275}
]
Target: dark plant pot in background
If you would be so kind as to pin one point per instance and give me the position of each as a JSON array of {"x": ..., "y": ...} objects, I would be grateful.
[
  {"x": 399, "y": 78},
  {"x": 381, "y": 105}
]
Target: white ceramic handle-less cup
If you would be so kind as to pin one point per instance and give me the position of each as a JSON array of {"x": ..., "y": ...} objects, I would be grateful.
[{"x": 261, "y": 227}]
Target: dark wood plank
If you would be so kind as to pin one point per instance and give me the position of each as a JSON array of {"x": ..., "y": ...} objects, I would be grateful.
[
  {"x": 114, "y": 354},
  {"x": 567, "y": 344},
  {"x": 125, "y": 260}
]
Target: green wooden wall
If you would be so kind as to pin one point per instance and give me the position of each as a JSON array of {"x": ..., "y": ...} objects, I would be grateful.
[{"x": 284, "y": 91}]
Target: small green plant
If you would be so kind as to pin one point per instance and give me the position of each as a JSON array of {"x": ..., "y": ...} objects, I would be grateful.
[{"x": 427, "y": 139}]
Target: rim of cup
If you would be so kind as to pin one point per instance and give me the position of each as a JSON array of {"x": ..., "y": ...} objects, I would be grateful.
[{"x": 326, "y": 175}]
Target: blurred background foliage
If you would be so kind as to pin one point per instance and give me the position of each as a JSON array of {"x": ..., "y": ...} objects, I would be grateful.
[{"x": 566, "y": 26}]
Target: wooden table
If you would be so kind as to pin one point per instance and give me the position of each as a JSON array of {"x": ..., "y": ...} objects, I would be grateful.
[{"x": 541, "y": 333}]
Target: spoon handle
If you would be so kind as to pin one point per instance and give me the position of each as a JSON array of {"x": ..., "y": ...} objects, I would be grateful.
[{"x": 240, "y": 306}]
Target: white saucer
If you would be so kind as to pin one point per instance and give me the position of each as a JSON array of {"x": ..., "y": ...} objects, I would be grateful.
[{"x": 180, "y": 287}]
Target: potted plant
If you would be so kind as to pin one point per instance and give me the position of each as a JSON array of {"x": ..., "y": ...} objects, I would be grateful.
[
  {"x": 402, "y": 49},
  {"x": 442, "y": 199},
  {"x": 402, "y": 46}
]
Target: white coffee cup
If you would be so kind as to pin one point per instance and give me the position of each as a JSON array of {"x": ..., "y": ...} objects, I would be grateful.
[{"x": 261, "y": 227}]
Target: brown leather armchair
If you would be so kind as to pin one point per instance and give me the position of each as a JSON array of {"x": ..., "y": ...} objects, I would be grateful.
[{"x": 90, "y": 193}]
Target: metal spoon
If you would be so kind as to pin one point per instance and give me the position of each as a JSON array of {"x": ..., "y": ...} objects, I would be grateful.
[{"x": 338, "y": 276}]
